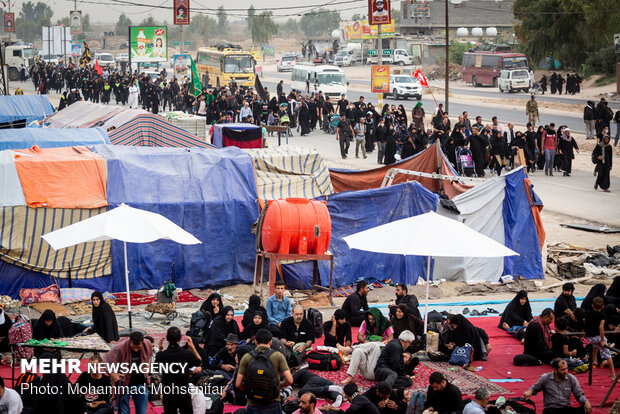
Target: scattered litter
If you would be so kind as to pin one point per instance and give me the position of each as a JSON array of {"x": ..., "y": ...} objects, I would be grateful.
[
  {"x": 598, "y": 228},
  {"x": 500, "y": 380}
]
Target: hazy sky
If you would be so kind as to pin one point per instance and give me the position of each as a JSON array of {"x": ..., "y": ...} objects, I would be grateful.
[{"x": 107, "y": 11}]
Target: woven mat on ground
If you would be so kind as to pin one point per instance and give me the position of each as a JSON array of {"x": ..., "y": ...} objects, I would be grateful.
[
  {"x": 468, "y": 382},
  {"x": 137, "y": 299},
  {"x": 58, "y": 308},
  {"x": 83, "y": 308}
]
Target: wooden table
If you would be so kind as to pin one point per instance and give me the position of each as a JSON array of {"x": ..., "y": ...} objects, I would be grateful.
[{"x": 274, "y": 263}]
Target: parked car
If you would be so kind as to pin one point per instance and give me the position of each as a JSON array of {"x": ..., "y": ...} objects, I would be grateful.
[
  {"x": 122, "y": 57},
  {"x": 512, "y": 80},
  {"x": 348, "y": 57},
  {"x": 286, "y": 62},
  {"x": 404, "y": 86}
]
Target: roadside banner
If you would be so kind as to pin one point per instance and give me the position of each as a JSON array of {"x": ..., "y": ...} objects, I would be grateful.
[
  {"x": 75, "y": 22},
  {"x": 76, "y": 50},
  {"x": 380, "y": 78},
  {"x": 370, "y": 31},
  {"x": 352, "y": 30},
  {"x": 182, "y": 65},
  {"x": 9, "y": 22},
  {"x": 379, "y": 11},
  {"x": 181, "y": 12},
  {"x": 148, "y": 44}
]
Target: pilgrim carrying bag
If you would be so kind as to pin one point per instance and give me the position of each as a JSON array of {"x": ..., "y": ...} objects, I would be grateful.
[{"x": 323, "y": 360}]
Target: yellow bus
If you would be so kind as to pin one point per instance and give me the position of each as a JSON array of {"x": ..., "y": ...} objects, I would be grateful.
[{"x": 224, "y": 65}]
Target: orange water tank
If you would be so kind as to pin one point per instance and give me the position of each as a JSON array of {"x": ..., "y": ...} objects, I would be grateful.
[{"x": 296, "y": 226}]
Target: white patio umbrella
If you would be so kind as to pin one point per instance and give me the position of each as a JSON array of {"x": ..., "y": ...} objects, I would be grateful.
[
  {"x": 427, "y": 234},
  {"x": 128, "y": 224}
]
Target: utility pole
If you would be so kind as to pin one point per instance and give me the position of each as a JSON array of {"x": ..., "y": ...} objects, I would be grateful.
[
  {"x": 181, "y": 27},
  {"x": 13, "y": 21},
  {"x": 380, "y": 45},
  {"x": 447, "y": 86}
]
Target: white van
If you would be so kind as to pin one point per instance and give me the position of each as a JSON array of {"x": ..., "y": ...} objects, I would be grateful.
[
  {"x": 105, "y": 59},
  {"x": 326, "y": 78}
]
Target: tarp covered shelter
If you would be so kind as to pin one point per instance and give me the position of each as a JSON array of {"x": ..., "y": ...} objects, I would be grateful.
[
  {"x": 149, "y": 130},
  {"x": 125, "y": 126},
  {"x": 26, "y": 108},
  {"x": 238, "y": 135},
  {"x": 212, "y": 194},
  {"x": 23, "y": 138},
  {"x": 425, "y": 161},
  {"x": 285, "y": 172}
]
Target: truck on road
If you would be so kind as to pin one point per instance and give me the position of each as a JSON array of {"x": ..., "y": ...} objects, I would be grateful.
[{"x": 16, "y": 55}]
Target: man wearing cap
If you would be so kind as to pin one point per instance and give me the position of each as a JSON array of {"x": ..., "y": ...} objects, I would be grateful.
[
  {"x": 531, "y": 110},
  {"x": 337, "y": 330},
  {"x": 224, "y": 360}
]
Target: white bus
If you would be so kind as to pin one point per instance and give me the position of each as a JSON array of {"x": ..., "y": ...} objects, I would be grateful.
[{"x": 326, "y": 78}]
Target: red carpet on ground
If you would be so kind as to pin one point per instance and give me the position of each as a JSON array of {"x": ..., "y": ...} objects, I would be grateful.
[{"x": 499, "y": 366}]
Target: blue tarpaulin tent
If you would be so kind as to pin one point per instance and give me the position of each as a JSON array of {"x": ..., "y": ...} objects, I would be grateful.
[
  {"x": 211, "y": 194},
  {"x": 22, "y": 138},
  {"x": 25, "y": 107}
]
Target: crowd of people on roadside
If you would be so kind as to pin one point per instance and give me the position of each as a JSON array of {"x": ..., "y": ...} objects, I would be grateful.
[{"x": 556, "y": 83}]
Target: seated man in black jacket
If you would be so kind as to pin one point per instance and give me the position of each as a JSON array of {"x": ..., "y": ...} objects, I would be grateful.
[
  {"x": 296, "y": 331},
  {"x": 356, "y": 305},
  {"x": 402, "y": 298},
  {"x": 442, "y": 396},
  {"x": 537, "y": 341},
  {"x": 337, "y": 330},
  {"x": 391, "y": 365},
  {"x": 359, "y": 403},
  {"x": 566, "y": 304},
  {"x": 223, "y": 362},
  {"x": 386, "y": 399},
  {"x": 308, "y": 381}
]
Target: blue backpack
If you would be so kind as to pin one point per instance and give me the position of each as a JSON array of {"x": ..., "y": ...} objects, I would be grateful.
[
  {"x": 416, "y": 403},
  {"x": 461, "y": 355}
]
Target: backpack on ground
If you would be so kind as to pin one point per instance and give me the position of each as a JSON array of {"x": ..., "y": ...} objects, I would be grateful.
[
  {"x": 261, "y": 383},
  {"x": 519, "y": 405},
  {"x": 526, "y": 360},
  {"x": 21, "y": 331},
  {"x": 416, "y": 403},
  {"x": 316, "y": 318},
  {"x": 290, "y": 405},
  {"x": 323, "y": 360},
  {"x": 461, "y": 355}
]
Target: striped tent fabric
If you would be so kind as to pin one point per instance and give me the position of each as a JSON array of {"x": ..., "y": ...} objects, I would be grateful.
[
  {"x": 284, "y": 172},
  {"x": 21, "y": 228},
  {"x": 149, "y": 130}
]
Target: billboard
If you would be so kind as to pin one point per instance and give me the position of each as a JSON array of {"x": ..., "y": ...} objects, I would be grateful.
[
  {"x": 76, "y": 51},
  {"x": 370, "y": 31},
  {"x": 181, "y": 11},
  {"x": 379, "y": 11},
  {"x": 9, "y": 22},
  {"x": 183, "y": 65},
  {"x": 380, "y": 78},
  {"x": 148, "y": 43},
  {"x": 352, "y": 30},
  {"x": 75, "y": 22},
  {"x": 56, "y": 40}
]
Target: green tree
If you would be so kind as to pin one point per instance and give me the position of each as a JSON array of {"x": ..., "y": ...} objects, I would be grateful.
[
  {"x": 263, "y": 27},
  {"x": 397, "y": 15},
  {"x": 63, "y": 22},
  {"x": 149, "y": 21},
  {"x": 202, "y": 27},
  {"x": 222, "y": 20},
  {"x": 251, "y": 14},
  {"x": 122, "y": 25},
  {"x": 30, "y": 20},
  {"x": 319, "y": 22},
  {"x": 563, "y": 29},
  {"x": 291, "y": 26},
  {"x": 356, "y": 16},
  {"x": 457, "y": 50}
]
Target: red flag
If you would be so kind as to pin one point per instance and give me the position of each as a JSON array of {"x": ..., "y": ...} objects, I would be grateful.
[
  {"x": 420, "y": 76},
  {"x": 98, "y": 67}
]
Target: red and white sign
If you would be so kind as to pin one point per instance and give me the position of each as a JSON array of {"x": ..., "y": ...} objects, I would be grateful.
[
  {"x": 181, "y": 12},
  {"x": 379, "y": 12},
  {"x": 420, "y": 76},
  {"x": 9, "y": 22}
]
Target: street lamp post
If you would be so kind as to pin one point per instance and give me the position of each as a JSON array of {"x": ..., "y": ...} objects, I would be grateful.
[{"x": 447, "y": 86}]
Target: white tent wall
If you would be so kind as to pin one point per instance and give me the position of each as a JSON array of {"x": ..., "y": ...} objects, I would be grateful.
[
  {"x": 481, "y": 210},
  {"x": 11, "y": 191}
]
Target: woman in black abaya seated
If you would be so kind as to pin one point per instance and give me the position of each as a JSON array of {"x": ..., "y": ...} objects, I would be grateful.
[
  {"x": 46, "y": 327},
  {"x": 460, "y": 332},
  {"x": 220, "y": 328},
  {"x": 518, "y": 313}
]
